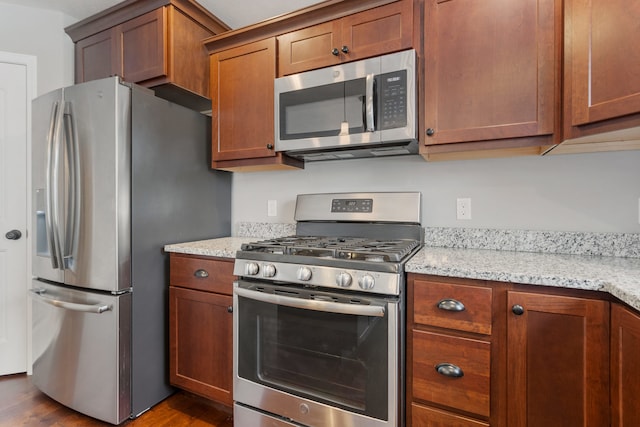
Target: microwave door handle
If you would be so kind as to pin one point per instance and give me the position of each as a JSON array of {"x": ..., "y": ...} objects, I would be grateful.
[
  {"x": 369, "y": 107},
  {"x": 324, "y": 306}
]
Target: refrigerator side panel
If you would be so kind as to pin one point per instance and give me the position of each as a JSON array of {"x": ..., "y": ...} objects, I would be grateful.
[
  {"x": 44, "y": 116},
  {"x": 79, "y": 339},
  {"x": 97, "y": 249},
  {"x": 176, "y": 197}
]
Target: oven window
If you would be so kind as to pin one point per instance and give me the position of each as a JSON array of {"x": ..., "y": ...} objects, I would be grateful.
[
  {"x": 337, "y": 359},
  {"x": 321, "y": 110}
]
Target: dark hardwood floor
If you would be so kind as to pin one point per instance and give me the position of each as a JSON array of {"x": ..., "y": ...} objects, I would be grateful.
[{"x": 21, "y": 404}]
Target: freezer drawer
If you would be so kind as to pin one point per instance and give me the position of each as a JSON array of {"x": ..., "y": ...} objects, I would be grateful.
[{"x": 81, "y": 349}]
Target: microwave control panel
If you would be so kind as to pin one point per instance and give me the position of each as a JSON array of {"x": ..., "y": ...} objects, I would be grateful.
[{"x": 392, "y": 99}]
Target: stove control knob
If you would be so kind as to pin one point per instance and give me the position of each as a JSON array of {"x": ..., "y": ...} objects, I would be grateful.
[
  {"x": 343, "y": 279},
  {"x": 367, "y": 282},
  {"x": 268, "y": 270},
  {"x": 251, "y": 269},
  {"x": 304, "y": 274}
]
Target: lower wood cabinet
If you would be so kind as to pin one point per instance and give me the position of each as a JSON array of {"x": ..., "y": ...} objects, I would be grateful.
[
  {"x": 625, "y": 366},
  {"x": 454, "y": 356},
  {"x": 558, "y": 360},
  {"x": 201, "y": 326},
  {"x": 425, "y": 416},
  {"x": 505, "y": 355}
]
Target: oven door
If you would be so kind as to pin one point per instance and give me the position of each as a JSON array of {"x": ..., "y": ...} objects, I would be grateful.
[{"x": 317, "y": 358}]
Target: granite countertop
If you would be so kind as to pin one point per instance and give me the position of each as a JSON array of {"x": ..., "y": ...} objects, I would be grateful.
[
  {"x": 617, "y": 276},
  {"x": 224, "y": 247},
  {"x": 455, "y": 253}
]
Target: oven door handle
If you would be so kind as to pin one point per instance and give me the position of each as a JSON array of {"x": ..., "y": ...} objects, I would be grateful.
[{"x": 316, "y": 305}]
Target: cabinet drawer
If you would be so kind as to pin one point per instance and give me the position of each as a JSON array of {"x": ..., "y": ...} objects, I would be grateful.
[
  {"x": 422, "y": 416},
  {"x": 473, "y": 312},
  {"x": 469, "y": 392},
  {"x": 205, "y": 274}
]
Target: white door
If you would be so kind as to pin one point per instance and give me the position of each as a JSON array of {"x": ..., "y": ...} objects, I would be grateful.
[{"x": 17, "y": 84}]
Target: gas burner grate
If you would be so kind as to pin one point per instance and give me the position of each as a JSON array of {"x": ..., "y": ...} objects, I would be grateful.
[{"x": 345, "y": 248}]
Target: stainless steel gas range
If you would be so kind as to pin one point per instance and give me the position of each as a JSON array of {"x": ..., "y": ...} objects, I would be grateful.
[{"x": 319, "y": 317}]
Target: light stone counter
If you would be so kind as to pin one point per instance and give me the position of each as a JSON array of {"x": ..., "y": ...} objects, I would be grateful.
[
  {"x": 606, "y": 262},
  {"x": 618, "y": 276},
  {"x": 224, "y": 247}
]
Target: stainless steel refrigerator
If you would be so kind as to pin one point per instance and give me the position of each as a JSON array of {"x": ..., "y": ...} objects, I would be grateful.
[{"x": 117, "y": 173}]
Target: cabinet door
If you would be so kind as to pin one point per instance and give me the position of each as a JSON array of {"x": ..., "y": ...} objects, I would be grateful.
[
  {"x": 378, "y": 31},
  {"x": 242, "y": 101},
  {"x": 142, "y": 47},
  {"x": 95, "y": 57},
  {"x": 374, "y": 32},
  {"x": 558, "y": 361},
  {"x": 625, "y": 367},
  {"x": 313, "y": 47},
  {"x": 490, "y": 69},
  {"x": 201, "y": 343},
  {"x": 602, "y": 74}
]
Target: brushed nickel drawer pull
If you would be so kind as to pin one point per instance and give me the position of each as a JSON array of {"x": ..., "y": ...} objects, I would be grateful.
[
  {"x": 449, "y": 370},
  {"x": 450, "y": 304},
  {"x": 201, "y": 274}
]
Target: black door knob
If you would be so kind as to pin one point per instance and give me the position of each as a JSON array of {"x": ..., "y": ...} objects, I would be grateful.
[
  {"x": 518, "y": 310},
  {"x": 13, "y": 235},
  {"x": 430, "y": 131},
  {"x": 335, "y": 51},
  {"x": 269, "y": 146},
  {"x": 345, "y": 49}
]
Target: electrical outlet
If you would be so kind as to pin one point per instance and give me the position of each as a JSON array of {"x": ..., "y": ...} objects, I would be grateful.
[
  {"x": 464, "y": 208},
  {"x": 272, "y": 208}
]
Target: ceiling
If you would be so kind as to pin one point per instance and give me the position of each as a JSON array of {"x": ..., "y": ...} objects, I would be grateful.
[{"x": 234, "y": 13}]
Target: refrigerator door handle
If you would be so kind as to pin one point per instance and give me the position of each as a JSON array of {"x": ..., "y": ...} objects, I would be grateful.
[
  {"x": 39, "y": 293},
  {"x": 52, "y": 173},
  {"x": 73, "y": 189}
]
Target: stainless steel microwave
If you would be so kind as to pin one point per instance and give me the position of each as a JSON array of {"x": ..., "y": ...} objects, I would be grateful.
[{"x": 359, "y": 109}]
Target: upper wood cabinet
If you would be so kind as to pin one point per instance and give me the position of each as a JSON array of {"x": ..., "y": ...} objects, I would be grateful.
[
  {"x": 242, "y": 116},
  {"x": 491, "y": 77},
  {"x": 558, "y": 361},
  {"x": 601, "y": 76},
  {"x": 377, "y": 31},
  {"x": 158, "y": 47},
  {"x": 244, "y": 64},
  {"x": 625, "y": 369}
]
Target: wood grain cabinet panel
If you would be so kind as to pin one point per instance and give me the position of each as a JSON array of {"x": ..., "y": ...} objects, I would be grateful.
[
  {"x": 558, "y": 361},
  {"x": 625, "y": 367},
  {"x": 470, "y": 391},
  {"x": 424, "y": 416},
  {"x": 201, "y": 326},
  {"x": 202, "y": 273},
  {"x": 455, "y": 352},
  {"x": 95, "y": 56},
  {"x": 602, "y": 72},
  {"x": 373, "y": 32},
  {"x": 453, "y": 306},
  {"x": 143, "y": 47},
  {"x": 491, "y": 76},
  {"x": 242, "y": 98},
  {"x": 157, "y": 44}
]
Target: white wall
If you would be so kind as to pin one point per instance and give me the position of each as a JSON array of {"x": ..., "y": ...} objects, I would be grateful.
[
  {"x": 39, "y": 32},
  {"x": 597, "y": 192}
]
